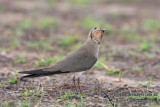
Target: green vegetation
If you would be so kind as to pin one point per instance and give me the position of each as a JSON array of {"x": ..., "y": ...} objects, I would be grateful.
[
  {"x": 68, "y": 95},
  {"x": 99, "y": 63},
  {"x": 113, "y": 71},
  {"x": 150, "y": 56},
  {"x": 7, "y": 103},
  {"x": 25, "y": 24},
  {"x": 110, "y": 54},
  {"x": 144, "y": 98},
  {"x": 76, "y": 103},
  {"x": 126, "y": 1},
  {"x": 41, "y": 44},
  {"x": 24, "y": 103},
  {"x": 21, "y": 59},
  {"x": 77, "y": 45},
  {"x": 46, "y": 22},
  {"x": 133, "y": 53},
  {"x": 2, "y": 49},
  {"x": 13, "y": 80},
  {"x": 41, "y": 23},
  {"x": 120, "y": 75},
  {"x": 14, "y": 42},
  {"x": 18, "y": 32},
  {"x": 154, "y": 38},
  {"x": 82, "y": 103},
  {"x": 113, "y": 15},
  {"x": 130, "y": 34},
  {"x": 148, "y": 83},
  {"x": 155, "y": 98},
  {"x": 46, "y": 61},
  {"x": 152, "y": 24},
  {"x": 79, "y": 2},
  {"x": 30, "y": 93},
  {"x": 137, "y": 69},
  {"x": 15, "y": 70},
  {"x": 68, "y": 40},
  {"x": 52, "y": 3},
  {"x": 145, "y": 46},
  {"x": 90, "y": 22}
]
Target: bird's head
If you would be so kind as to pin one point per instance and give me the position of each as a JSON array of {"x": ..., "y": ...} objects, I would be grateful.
[{"x": 96, "y": 35}]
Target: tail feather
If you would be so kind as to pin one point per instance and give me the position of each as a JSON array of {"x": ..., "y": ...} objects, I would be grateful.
[{"x": 39, "y": 73}]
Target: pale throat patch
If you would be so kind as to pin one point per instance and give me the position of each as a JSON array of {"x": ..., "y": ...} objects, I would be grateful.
[{"x": 95, "y": 40}]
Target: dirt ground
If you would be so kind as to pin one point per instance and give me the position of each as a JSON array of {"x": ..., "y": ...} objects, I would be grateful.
[{"x": 33, "y": 31}]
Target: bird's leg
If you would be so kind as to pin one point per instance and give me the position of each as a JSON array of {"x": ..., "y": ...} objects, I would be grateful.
[
  {"x": 79, "y": 85},
  {"x": 74, "y": 83}
]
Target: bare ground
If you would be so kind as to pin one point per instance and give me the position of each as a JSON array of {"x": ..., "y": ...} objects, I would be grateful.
[{"x": 137, "y": 68}]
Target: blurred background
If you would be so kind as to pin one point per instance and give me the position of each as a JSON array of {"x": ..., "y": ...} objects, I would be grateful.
[{"x": 38, "y": 33}]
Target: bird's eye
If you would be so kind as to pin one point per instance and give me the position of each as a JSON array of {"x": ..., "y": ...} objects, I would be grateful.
[{"x": 95, "y": 28}]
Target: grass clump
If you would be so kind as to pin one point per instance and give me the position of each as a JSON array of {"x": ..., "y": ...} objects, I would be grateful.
[
  {"x": 45, "y": 62},
  {"x": 46, "y": 22},
  {"x": 68, "y": 40},
  {"x": 153, "y": 97},
  {"x": 133, "y": 53},
  {"x": 130, "y": 34},
  {"x": 99, "y": 63},
  {"x": 90, "y": 22},
  {"x": 24, "y": 103},
  {"x": 25, "y": 24},
  {"x": 144, "y": 98},
  {"x": 13, "y": 80},
  {"x": 113, "y": 71},
  {"x": 41, "y": 23},
  {"x": 152, "y": 24},
  {"x": 52, "y": 3},
  {"x": 21, "y": 59},
  {"x": 7, "y": 103},
  {"x": 81, "y": 103},
  {"x": 138, "y": 68},
  {"x": 145, "y": 46},
  {"x": 15, "y": 42},
  {"x": 18, "y": 32},
  {"x": 30, "y": 93},
  {"x": 79, "y": 2},
  {"x": 42, "y": 45},
  {"x": 2, "y": 49},
  {"x": 148, "y": 83},
  {"x": 48, "y": 60},
  {"x": 71, "y": 95},
  {"x": 15, "y": 70},
  {"x": 68, "y": 95}
]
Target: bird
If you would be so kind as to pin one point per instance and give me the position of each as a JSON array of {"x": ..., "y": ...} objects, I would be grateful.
[{"x": 77, "y": 61}]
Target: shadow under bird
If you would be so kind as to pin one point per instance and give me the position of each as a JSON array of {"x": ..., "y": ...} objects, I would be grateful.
[{"x": 77, "y": 61}]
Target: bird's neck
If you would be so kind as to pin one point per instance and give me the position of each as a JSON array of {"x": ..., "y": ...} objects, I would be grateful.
[{"x": 92, "y": 47}]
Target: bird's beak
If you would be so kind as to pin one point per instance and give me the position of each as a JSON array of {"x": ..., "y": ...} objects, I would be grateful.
[{"x": 103, "y": 30}]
